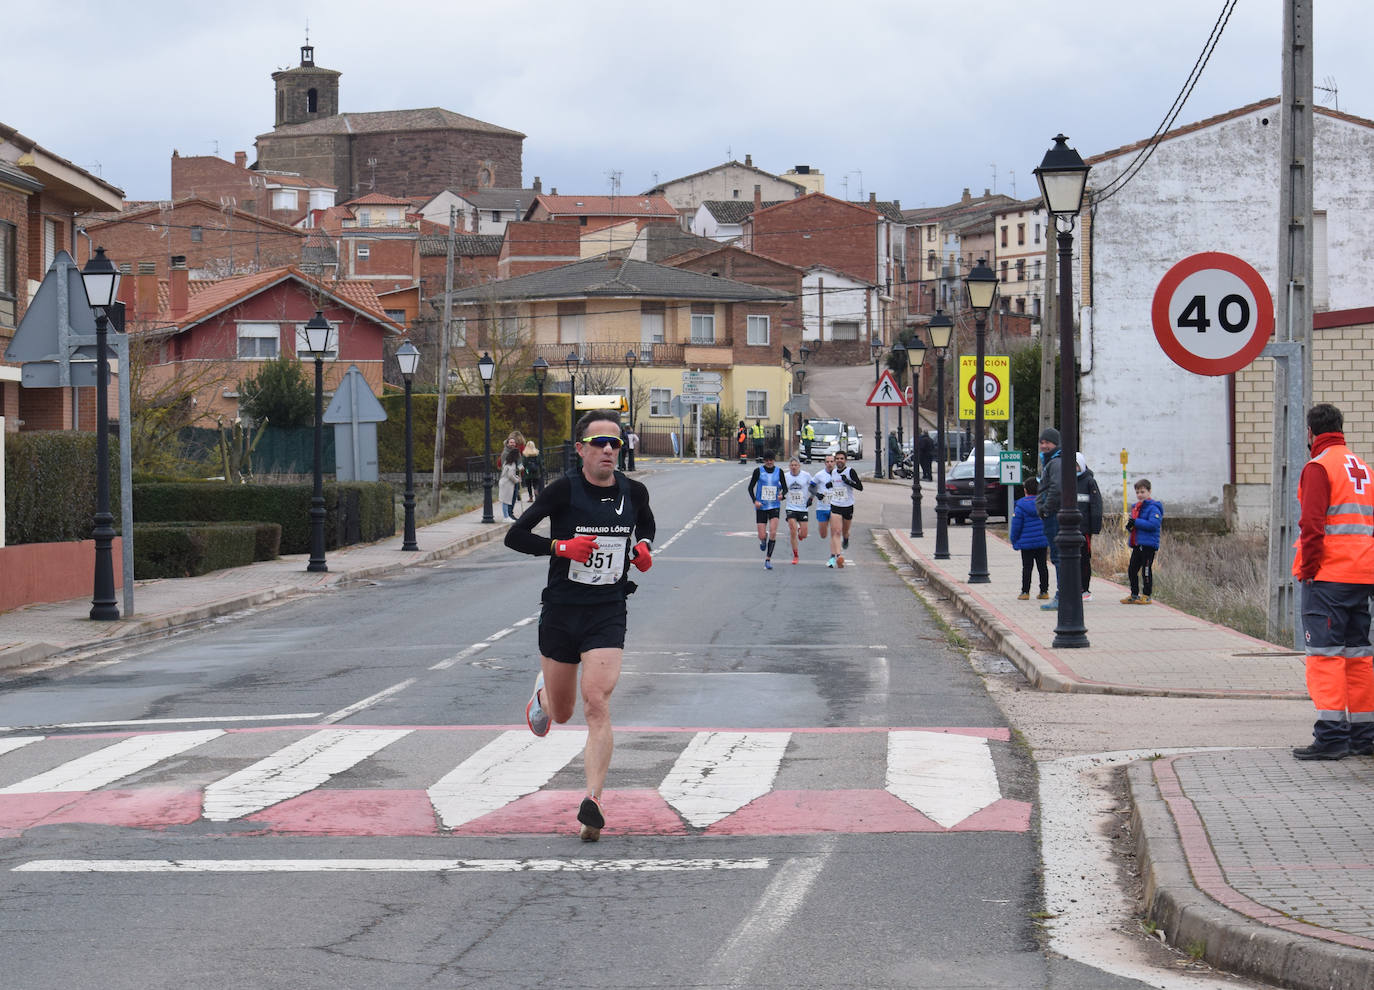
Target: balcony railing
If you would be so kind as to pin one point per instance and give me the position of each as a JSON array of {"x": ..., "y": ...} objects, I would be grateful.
[{"x": 613, "y": 354}]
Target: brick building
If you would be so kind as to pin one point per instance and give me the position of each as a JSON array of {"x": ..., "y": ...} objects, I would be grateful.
[
  {"x": 415, "y": 153},
  {"x": 41, "y": 196},
  {"x": 281, "y": 196},
  {"x": 215, "y": 242}
]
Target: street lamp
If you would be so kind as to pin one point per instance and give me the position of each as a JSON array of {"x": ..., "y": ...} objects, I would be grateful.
[
  {"x": 1063, "y": 178},
  {"x": 941, "y": 329},
  {"x": 570, "y": 363},
  {"x": 631, "y": 359},
  {"x": 877, "y": 347},
  {"x": 981, "y": 284},
  {"x": 915, "y": 357},
  {"x": 316, "y": 344},
  {"x": 100, "y": 279},
  {"x": 408, "y": 357},
  {"x": 486, "y": 367},
  {"x": 540, "y": 369}
]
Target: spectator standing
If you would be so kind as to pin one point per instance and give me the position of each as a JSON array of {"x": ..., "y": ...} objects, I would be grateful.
[
  {"x": 1144, "y": 523},
  {"x": 1047, "y": 502},
  {"x": 925, "y": 454},
  {"x": 1090, "y": 511},
  {"x": 508, "y": 486},
  {"x": 894, "y": 453},
  {"x": 1028, "y": 536},
  {"x": 758, "y": 435},
  {"x": 531, "y": 469},
  {"x": 742, "y": 436}
]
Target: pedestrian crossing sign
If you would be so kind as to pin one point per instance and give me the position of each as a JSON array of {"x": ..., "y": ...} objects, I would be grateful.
[{"x": 886, "y": 392}]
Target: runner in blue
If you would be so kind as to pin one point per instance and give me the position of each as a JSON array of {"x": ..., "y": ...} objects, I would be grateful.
[{"x": 765, "y": 491}]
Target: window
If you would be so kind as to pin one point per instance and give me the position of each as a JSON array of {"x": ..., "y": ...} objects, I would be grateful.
[
  {"x": 364, "y": 252},
  {"x": 399, "y": 315},
  {"x": 8, "y": 245},
  {"x": 364, "y": 218},
  {"x": 284, "y": 199},
  {"x": 651, "y": 316},
  {"x": 757, "y": 332},
  {"x": 755, "y": 404},
  {"x": 1020, "y": 304},
  {"x": 1004, "y": 271},
  {"x": 844, "y": 330},
  {"x": 49, "y": 243},
  {"x": 1004, "y": 235},
  {"x": 572, "y": 322},
  {"x": 330, "y": 354},
  {"x": 658, "y": 401},
  {"x": 1020, "y": 269},
  {"x": 459, "y": 331},
  {"x": 1037, "y": 233},
  {"x": 508, "y": 327},
  {"x": 1020, "y": 233},
  {"x": 259, "y": 341},
  {"x": 1036, "y": 271},
  {"x": 703, "y": 328},
  {"x": 312, "y": 100},
  {"x": 197, "y": 234}
]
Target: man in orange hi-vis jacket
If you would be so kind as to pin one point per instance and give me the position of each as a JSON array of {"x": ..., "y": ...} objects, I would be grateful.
[{"x": 1334, "y": 563}]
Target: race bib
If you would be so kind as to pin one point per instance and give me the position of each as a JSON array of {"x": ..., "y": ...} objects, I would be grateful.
[
  {"x": 839, "y": 495},
  {"x": 768, "y": 493},
  {"x": 796, "y": 498},
  {"x": 606, "y": 565}
]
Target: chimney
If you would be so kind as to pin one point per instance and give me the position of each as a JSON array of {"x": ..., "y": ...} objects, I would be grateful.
[
  {"x": 538, "y": 186},
  {"x": 758, "y": 197},
  {"x": 749, "y": 160},
  {"x": 897, "y": 205},
  {"x": 179, "y": 288},
  {"x": 553, "y": 191},
  {"x": 145, "y": 291},
  {"x": 241, "y": 159},
  {"x": 872, "y": 197},
  {"x": 966, "y": 198}
]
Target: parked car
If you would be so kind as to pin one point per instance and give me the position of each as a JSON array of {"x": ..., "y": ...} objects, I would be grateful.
[
  {"x": 828, "y": 433},
  {"x": 855, "y": 442},
  {"x": 959, "y": 490}
]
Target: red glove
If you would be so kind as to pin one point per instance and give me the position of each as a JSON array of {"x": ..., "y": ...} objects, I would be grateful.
[
  {"x": 641, "y": 557},
  {"x": 578, "y": 548}
]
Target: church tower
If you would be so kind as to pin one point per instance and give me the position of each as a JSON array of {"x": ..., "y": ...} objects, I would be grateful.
[{"x": 306, "y": 92}]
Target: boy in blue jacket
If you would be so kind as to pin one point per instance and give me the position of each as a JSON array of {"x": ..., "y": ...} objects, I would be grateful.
[
  {"x": 1147, "y": 517},
  {"x": 1028, "y": 536}
]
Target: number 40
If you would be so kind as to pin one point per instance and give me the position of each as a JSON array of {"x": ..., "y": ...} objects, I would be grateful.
[{"x": 1195, "y": 314}]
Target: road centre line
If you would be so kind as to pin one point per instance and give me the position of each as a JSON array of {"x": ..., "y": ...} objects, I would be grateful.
[
  {"x": 387, "y": 865},
  {"x": 696, "y": 518},
  {"x": 367, "y": 702}
]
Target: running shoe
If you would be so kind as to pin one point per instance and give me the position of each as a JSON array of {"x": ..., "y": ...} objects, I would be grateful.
[
  {"x": 1087, "y": 596},
  {"x": 794, "y": 558},
  {"x": 763, "y": 544},
  {"x": 535, "y": 716},
  {"x": 830, "y": 562},
  {"x": 1023, "y": 596},
  {"x": 844, "y": 543},
  {"x": 591, "y": 819},
  {"x": 839, "y": 560},
  {"x": 1050, "y": 605},
  {"x": 767, "y": 564}
]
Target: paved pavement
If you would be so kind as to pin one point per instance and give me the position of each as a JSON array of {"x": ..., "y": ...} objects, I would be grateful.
[{"x": 1247, "y": 855}]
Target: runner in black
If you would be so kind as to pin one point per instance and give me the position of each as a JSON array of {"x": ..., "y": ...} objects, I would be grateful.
[{"x": 601, "y": 523}]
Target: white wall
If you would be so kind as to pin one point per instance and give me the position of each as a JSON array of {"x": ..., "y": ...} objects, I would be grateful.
[
  {"x": 1215, "y": 189},
  {"x": 844, "y": 301}
]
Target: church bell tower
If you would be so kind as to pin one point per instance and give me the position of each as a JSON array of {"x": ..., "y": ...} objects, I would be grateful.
[{"x": 306, "y": 92}]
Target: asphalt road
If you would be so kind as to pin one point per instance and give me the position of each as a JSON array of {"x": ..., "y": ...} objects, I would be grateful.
[{"x": 813, "y": 789}]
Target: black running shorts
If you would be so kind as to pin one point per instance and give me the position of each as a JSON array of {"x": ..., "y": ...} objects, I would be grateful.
[
  {"x": 843, "y": 511},
  {"x": 801, "y": 515},
  {"x": 568, "y": 631},
  {"x": 763, "y": 515}
]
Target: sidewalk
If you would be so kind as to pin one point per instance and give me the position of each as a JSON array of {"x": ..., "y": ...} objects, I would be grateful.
[
  {"x": 39, "y": 631},
  {"x": 1259, "y": 858}
]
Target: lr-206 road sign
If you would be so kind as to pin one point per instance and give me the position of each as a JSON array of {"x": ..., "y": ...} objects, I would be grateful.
[{"x": 1212, "y": 314}]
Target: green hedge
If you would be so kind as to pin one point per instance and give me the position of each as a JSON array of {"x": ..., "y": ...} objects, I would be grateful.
[
  {"x": 186, "y": 549},
  {"x": 50, "y": 486},
  {"x": 465, "y": 422},
  {"x": 355, "y": 512}
]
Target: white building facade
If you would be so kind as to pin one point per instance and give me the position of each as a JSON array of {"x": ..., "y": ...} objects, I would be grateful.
[{"x": 1210, "y": 186}]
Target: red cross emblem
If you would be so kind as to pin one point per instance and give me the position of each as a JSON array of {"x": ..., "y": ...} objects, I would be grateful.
[{"x": 1357, "y": 472}]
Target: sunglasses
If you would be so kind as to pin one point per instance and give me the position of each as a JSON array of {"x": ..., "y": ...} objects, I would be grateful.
[{"x": 615, "y": 443}]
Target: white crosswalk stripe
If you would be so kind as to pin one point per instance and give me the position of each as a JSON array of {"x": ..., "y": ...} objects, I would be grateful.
[
  {"x": 720, "y": 772},
  {"x": 665, "y": 780},
  {"x": 105, "y": 766},
  {"x": 943, "y": 775},
  {"x": 509, "y": 767},
  {"x": 292, "y": 771}
]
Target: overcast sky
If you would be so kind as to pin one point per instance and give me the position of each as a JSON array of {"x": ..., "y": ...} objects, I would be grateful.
[{"x": 909, "y": 99}]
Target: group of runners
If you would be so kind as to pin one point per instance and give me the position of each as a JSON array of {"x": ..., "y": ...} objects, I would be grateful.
[
  {"x": 601, "y": 525},
  {"x": 775, "y": 492}
]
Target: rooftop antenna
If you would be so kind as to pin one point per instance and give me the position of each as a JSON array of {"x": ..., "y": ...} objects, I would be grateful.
[
  {"x": 993, "y": 166},
  {"x": 614, "y": 176},
  {"x": 1328, "y": 87},
  {"x": 1013, "y": 183}
]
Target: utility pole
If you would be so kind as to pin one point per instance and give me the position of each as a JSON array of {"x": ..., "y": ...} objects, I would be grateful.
[
  {"x": 443, "y": 366},
  {"x": 1048, "y": 343},
  {"x": 1292, "y": 345}
]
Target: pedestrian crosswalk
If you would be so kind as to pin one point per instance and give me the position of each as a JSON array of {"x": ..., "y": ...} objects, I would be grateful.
[{"x": 312, "y": 780}]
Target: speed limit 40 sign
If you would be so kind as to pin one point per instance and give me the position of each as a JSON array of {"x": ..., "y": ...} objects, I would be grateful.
[{"x": 1212, "y": 314}]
